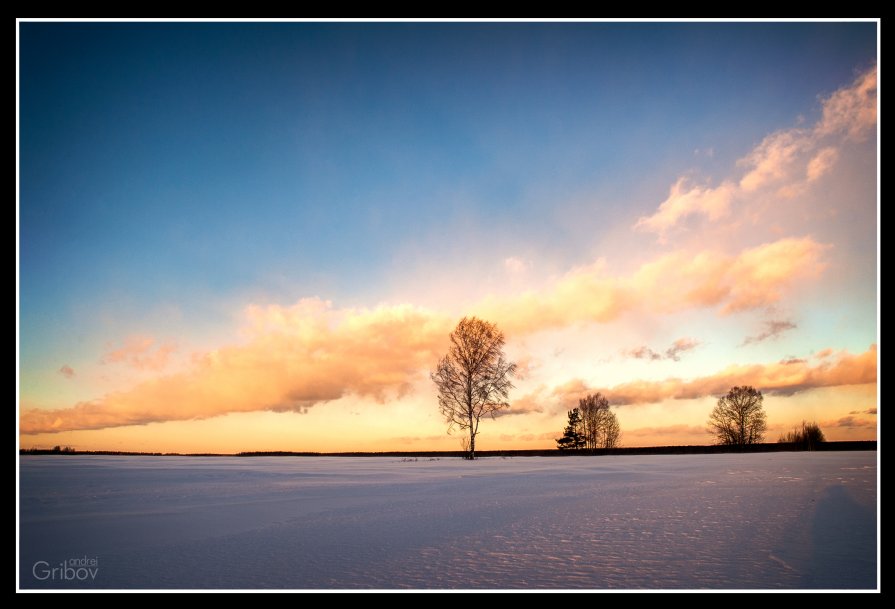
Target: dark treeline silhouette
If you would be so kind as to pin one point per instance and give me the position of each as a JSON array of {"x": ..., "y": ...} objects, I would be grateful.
[
  {"x": 545, "y": 452},
  {"x": 71, "y": 451}
]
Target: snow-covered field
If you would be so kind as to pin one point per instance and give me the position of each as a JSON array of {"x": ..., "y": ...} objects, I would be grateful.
[{"x": 772, "y": 520}]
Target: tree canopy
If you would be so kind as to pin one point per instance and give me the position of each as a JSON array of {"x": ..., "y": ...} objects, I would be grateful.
[{"x": 739, "y": 417}]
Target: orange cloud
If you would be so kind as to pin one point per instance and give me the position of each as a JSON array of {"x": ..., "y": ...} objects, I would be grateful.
[
  {"x": 821, "y": 164},
  {"x": 848, "y": 422},
  {"x": 754, "y": 278},
  {"x": 789, "y": 160},
  {"x": 140, "y": 352},
  {"x": 296, "y": 357},
  {"x": 772, "y": 159},
  {"x": 851, "y": 110},
  {"x": 684, "y": 200},
  {"x": 784, "y": 378},
  {"x": 524, "y": 405}
]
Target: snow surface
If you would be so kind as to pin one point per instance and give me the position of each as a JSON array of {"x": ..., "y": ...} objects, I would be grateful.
[{"x": 769, "y": 520}]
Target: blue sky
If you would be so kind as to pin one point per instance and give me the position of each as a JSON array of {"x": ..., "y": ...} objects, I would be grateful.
[{"x": 173, "y": 174}]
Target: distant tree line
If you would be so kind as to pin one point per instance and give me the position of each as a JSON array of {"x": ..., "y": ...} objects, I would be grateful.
[
  {"x": 808, "y": 435},
  {"x": 591, "y": 425}
]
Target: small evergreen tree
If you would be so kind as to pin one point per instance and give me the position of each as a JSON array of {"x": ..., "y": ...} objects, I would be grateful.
[
  {"x": 739, "y": 417},
  {"x": 572, "y": 437}
]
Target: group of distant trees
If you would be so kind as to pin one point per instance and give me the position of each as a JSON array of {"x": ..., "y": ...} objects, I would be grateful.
[
  {"x": 739, "y": 419},
  {"x": 473, "y": 380},
  {"x": 591, "y": 425},
  {"x": 808, "y": 435}
]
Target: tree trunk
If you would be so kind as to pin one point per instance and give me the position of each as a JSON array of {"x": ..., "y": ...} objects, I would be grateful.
[{"x": 471, "y": 445}]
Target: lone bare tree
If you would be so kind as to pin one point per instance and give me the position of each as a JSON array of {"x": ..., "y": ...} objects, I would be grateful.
[
  {"x": 739, "y": 417},
  {"x": 599, "y": 425},
  {"x": 473, "y": 379}
]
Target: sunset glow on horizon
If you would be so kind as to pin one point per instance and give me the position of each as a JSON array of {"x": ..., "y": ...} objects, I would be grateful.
[{"x": 256, "y": 237}]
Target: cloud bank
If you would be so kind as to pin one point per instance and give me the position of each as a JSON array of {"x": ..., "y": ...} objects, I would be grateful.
[
  {"x": 296, "y": 357},
  {"x": 783, "y": 164},
  {"x": 679, "y": 280},
  {"x": 780, "y": 378},
  {"x": 310, "y": 353}
]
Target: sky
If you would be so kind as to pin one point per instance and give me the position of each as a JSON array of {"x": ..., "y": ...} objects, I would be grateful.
[{"x": 258, "y": 236}]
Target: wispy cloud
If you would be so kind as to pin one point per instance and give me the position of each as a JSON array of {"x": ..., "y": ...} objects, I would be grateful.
[
  {"x": 848, "y": 422},
  {"x": 783, "y": 164},
  {"x": 142, "y": 353},
  {"x": 868, "y": 411},
  {"x": 67, "y": 371},
  {"x": 524, "y": 405},
  {"x": 516, "y": 265},
  {"x": 773, "y": 159},
  {"x": 673, "y": 352},
  {"x": 643, "y": 352},
  {"x": 782, "y": 378},
  {"x": 821, "y": 164},
  {"x": 851, "y": 110},
  {"x": 772, "y": 329},
  {"x": 686, "y": 199}
]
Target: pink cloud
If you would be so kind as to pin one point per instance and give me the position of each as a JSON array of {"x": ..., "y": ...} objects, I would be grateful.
[
  {"x": 295, "y": 358},
  {"x": 673, "y": 352},
  {"x": 788, "y": 161},
  {"x": 772, "y": 160},
  {"x": 785, "y": 378},
  {"x": 851, "y": 110},
  {"x": 141, "y": 353},
  {"x": 821, "y": 164},
  {"x": 685, "y": 200},
  {"x": 755, "y": 277},
  {"x": 67, "y": 371},
  {"x": 773, "y": 329},
  {"x": 848, "y": 422}
]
